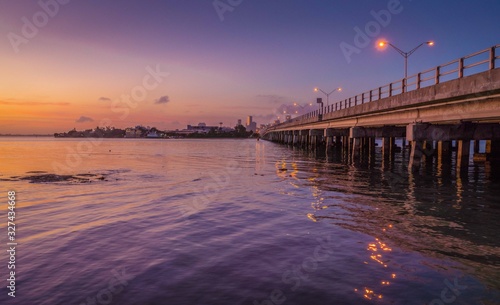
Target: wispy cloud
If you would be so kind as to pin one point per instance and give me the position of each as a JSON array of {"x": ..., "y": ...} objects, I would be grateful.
[
  {"x": 281, "y": 111},
  {"x": 271, "y": 98},
  {"x": 84, "y": 119},
  {"x": 104, "y": 99},
  {"x": 265, "y": 118},
  {"x": 163, "y": 100},
  {"x": 33, "y": 103}
]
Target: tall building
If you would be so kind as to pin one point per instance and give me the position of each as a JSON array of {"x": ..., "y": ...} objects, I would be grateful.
[
  {"x": 251, "y": 126},
  {"x": 239, "y": 123}
]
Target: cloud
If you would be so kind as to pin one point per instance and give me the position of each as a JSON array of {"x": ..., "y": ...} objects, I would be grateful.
[
  {"x": 271, "y": 98},
  {"x": 84, "y": 119},
  {"x": 104, "y": 99},
  {"x": 163, "y": 100},
  {"x": 33, "y": 103},
  {"x": 292, "y": 109},
  {"x": 265, "y": 118}
]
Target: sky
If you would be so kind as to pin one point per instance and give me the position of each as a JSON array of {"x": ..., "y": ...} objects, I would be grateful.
[{"x": 80, "y": 64}]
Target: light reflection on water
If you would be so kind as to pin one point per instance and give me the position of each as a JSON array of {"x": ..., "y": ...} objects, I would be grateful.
[{"x": 396, "y": 236}]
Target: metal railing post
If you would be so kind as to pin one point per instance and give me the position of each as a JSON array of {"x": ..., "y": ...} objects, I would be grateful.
[
  {"x": 390, "y": 89},
  {"x": 492, "y": 58},
  {"x": 461, "y": 68},
  {"x": 419, "y": 79},
  {"x": 438, "y": 74}
]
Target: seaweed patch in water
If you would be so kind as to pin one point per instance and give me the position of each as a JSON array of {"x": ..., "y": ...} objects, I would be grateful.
[{"x": 50, "y": 178}]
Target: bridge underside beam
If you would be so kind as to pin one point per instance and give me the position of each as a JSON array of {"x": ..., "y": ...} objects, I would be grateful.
[
  {"x": 336, "y": 132},
  {"x": 378, "y": 132},
  {"x": 464, "y": 131}
]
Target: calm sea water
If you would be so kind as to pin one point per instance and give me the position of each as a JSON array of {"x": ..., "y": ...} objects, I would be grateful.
[{"x": 244, "y": 222}]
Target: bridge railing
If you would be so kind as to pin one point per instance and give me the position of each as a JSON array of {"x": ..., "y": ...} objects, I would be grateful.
[{"x": 468, "y": 65}]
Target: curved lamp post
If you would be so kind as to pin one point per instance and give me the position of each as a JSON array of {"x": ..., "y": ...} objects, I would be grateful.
[
  {"x": 327, "y": 94},
  {"x": 404, "y": 54}
]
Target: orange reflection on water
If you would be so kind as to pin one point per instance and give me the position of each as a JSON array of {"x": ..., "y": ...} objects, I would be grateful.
[
  {"x": 377, "y": 248},
  {"x": 283, "y": 172},
  {"x": 370, "y": 294},
  {"x": 312, "y": 217}
]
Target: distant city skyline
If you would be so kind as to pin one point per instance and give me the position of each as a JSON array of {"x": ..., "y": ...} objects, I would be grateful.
[{"x": 82, "y": 64}]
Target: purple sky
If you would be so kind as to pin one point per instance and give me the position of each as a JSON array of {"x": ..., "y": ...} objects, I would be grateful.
[{"x": 262, "y": 55}]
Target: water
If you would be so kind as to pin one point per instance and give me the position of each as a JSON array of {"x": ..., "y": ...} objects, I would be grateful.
[{"x": 244, "y": 222}]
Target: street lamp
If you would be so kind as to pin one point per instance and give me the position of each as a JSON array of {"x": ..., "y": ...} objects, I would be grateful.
[
  {"x": 404, "y": 54},
  {"x": 302, "y": 107},
  {"x": 327, "y": 94}
]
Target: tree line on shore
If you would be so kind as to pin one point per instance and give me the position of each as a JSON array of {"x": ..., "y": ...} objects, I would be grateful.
[{"x": 152, "y": 132}]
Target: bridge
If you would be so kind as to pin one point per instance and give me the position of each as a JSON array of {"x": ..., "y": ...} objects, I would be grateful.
[{"x": 454, "y": 103}]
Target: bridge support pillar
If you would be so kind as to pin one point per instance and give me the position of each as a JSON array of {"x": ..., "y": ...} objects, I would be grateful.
[
  {"x": 387, "y": 147},
  {"x": 289, "y": 138},
  {"x": 463, "y": 149},
  {"x": 315, "y": 138},
  {"x": 356, "y": 148},
  {"x": 328, "y": 135},
  {"x": 366, "y": 146},
  {"x": 295, "y": 138},
  {"x": 304, "y": 135},
  {"x": 371, "y": 148},
  {"x": 338, "y": 142},
  {"x": 346, "y": 144},
  {"x": 358, "y": 137},
  {"x": 493, "y": 150},
  {"x": 444, "y": 151},
  {"x": 416, "y": 155}
]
